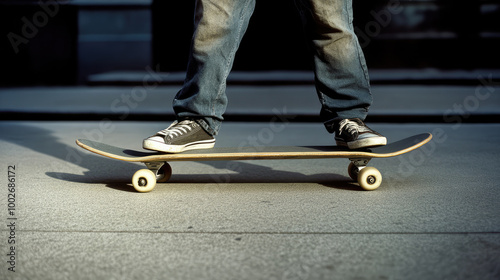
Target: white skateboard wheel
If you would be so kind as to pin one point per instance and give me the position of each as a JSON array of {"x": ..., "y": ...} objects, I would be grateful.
[
  {"x": 144, "y": 180},
  {"x": 369, "y": 178}
]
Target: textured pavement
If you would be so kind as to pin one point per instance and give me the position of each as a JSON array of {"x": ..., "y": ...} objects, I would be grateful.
[
  {"x": 75, "y": 215},
  {"x": 434, "y": 217}
]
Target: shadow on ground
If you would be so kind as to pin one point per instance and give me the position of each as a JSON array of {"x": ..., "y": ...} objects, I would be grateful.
[{"x": 117, "y": 174}]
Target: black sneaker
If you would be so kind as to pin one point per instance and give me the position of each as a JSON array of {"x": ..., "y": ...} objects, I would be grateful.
[
  {"x": 354, "y": 134},
  {"x": 180, "y": 137}
]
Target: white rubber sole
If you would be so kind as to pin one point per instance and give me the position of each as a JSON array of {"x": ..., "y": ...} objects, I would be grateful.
[
  {"x": 364, "y": 143},
  {"x": 162, "y": 147}
]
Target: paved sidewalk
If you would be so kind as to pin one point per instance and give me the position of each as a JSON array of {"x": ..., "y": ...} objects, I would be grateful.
[{"x": 434, "y": 217}]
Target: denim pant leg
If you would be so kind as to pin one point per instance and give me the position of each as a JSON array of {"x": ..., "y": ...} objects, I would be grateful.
[
  {"x": 341, "y": 75},
  {"x": 219, "y": 27}
]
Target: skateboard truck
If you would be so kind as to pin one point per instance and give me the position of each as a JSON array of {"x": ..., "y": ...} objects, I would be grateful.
[
  {"x": 369, "y": 178},
  {"x": 144, "y": 180}
]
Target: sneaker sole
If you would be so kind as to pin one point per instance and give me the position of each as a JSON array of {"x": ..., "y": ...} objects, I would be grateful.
[
  {"x": 162, "y": 147},
  {"x": 364, "y": 143}
]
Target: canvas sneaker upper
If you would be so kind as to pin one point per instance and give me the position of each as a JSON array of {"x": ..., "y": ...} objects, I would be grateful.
[
  {"x": 180, "y": 136},
  {"x": 354, "y": 134}
]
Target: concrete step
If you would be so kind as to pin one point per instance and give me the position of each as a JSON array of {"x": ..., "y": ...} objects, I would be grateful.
[
  {"x": 377, "y": 76},
  {"x": 392, "y": 103}
]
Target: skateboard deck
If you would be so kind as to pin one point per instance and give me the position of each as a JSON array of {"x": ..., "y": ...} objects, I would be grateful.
[{"x": 369, "y": 178}]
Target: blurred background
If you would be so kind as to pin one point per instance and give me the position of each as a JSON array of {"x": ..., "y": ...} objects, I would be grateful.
[{"x": 48, "y": 42}]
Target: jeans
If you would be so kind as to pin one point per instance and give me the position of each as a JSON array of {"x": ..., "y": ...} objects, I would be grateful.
[{"x": 341, "y": 75}]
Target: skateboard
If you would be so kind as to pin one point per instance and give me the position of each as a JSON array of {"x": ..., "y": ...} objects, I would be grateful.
[{"x": 158, "y": 169}]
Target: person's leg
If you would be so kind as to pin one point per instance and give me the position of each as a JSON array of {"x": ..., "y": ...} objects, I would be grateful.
[
  {"x": 199, "y": 105},
  {"x": 219, "y": 28},
  {"x": 342, "y": 81},
  {"x": 341, "y": 74}
]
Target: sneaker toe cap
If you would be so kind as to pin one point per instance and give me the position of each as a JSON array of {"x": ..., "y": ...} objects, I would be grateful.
[{"x": 156, "y": 139}]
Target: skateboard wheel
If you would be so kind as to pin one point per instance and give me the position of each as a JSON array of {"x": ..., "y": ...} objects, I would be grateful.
[
  {"x": 164, "y": 173},
  {"x": 369, "y": 178},
  {"x": 352, "y": 170},
  {"x": 144, "y": 180}
]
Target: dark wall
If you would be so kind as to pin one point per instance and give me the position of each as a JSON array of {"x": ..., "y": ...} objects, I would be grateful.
[
  {"x": 394, "y": 34},
  {"x": 447, "y": 34},
  {"x": 37, "y": 47},
  {"x": 274, "y": 39},
  {"x": 64, "y": 42}
]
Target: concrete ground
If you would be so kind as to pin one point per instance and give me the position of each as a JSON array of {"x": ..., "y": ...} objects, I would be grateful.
[
  {"x": 75, "y": 215},
  {"x": 434, "y": 217}
]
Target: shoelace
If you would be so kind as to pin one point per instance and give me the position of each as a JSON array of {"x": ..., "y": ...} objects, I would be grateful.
[
  {"x": 176, "y": 129},
  {"x": 350, "y": 126}
]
